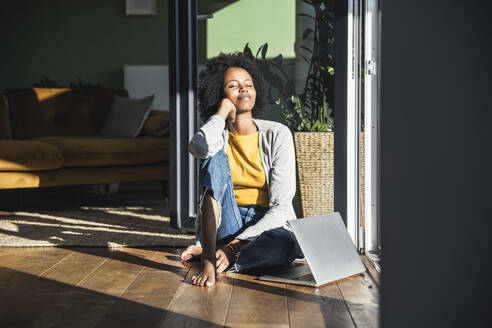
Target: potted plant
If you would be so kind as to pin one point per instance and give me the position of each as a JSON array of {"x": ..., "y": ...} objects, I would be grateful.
[{"x": 309, "y": 114}]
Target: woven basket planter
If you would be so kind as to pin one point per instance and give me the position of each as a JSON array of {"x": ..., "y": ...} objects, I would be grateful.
[{"x": 314, "y": 159}]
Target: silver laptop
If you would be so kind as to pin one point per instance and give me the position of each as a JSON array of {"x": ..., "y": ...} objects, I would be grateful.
[{"x": 328, "y": 249}]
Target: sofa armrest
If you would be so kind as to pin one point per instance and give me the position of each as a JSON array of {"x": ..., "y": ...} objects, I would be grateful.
[{"x": 29, "y": 155}]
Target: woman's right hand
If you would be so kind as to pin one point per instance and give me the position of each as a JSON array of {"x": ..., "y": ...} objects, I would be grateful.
[{"x": 227, "y": 110}]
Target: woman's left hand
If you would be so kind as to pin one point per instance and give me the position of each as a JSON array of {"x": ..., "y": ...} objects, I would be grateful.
[{"x": 225, "y": 257}]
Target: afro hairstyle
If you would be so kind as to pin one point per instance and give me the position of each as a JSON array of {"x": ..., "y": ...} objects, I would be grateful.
[{"x": 211, "y": 79}]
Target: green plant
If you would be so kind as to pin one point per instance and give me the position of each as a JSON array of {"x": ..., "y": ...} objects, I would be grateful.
[
  {"x": 280, "y": 84},
  {"x": 47, "y": 82},
  {"x": 318, "y": 94},
  {"x": 312, "y": 110},
  {"x": 301, "y": 120}
]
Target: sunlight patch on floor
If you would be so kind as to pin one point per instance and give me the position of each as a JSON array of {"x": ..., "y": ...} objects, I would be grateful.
[{"x": 64, "y": 220}]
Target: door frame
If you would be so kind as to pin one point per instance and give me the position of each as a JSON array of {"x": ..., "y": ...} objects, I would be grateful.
[
  {"x": 363, "y": 95},
  {"x": 183, "y": 167}
]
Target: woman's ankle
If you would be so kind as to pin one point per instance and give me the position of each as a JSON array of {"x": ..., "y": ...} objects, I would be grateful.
[{"x": 208, "y": 256}]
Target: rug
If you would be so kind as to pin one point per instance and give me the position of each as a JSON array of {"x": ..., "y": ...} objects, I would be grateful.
[{"x": 121, "y": 221}]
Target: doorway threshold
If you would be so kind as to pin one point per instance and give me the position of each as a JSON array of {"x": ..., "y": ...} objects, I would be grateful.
[{"x": 372, "y": 263}]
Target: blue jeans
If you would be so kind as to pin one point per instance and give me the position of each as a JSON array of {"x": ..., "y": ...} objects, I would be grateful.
[{"x": 272, "y": 248}]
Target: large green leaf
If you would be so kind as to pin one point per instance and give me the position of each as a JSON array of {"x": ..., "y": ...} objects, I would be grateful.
[
  {"x": 264, "y": 51},
  {"x": 306, "y": 15},
  {"x": 259, "y": 49},
  {"x": 247, "y": 50},
  {"x": 306, "y": 33},
  {"x": 278, "y": 60},
  {"x": 305, "y": 48}
]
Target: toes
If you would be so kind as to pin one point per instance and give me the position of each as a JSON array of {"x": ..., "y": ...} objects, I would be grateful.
[
  {"x": 189, "y": 252},
  {"x": 202, "y": 281},
  {"x": 196, "y": 279}
]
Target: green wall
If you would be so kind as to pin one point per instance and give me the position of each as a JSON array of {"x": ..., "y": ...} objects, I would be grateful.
[
  {"x": 256, "y": 22},
  {"x": 65, "y": 39}
]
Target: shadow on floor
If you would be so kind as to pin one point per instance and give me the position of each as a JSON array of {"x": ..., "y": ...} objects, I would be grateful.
[{"x": 29, "y": 300}]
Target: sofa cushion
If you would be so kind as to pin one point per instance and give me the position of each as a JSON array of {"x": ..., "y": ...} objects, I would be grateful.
[
  {"x": 126, "y": 117},
  {"x": 5, "y": 128},
  {"x": 27, "y": 155},
  {"x": 42, "y": 112},
  {"x": 69, "y": 176},
  {"x": 157, "y": 124},
  {"x": 99, "y": 151}
]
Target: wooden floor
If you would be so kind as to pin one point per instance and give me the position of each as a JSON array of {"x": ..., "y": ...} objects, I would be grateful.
[{"x": 131, "y": 287}]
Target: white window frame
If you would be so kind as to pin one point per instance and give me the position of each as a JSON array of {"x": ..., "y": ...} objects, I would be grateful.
[
  {"x": 353, "y": 124},
  {"x": 364, "y": 237},
  {"x": 371, "y": 125}
]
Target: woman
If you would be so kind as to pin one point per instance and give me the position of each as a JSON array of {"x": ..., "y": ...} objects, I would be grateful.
[{"x": 247, "y": 174}]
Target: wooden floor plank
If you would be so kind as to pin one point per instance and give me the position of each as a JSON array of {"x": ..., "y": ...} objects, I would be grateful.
[
  {"x": 195, "y": 306},
  {"x": 94, "y": 296},
  {"x": 21, "y": 286},
  {"x": 71, "y": 272},
  {"x": 94, "y": 254},
  {"x": 48, "y": 304},
  {"x": 9, "y": 256},
  {"x": 112, "y": 277},
  {"x": 32, "y": 262},
  {"x": 317, "y": 307},
  {"x": 167, "y": 259},
  {"x": 87, "y": 255},
  {"x": 102, "y": 274},
  {"x": 145, "y": 302},
  {"x": 362, "y": 298},
  {"x": 143, "y": 253},
  {"x": 59, "y": 306},
  {"x": 257, "y": 303}
]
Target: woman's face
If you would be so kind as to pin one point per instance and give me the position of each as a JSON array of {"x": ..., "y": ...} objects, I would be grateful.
[{"x": 239, "y": 88}]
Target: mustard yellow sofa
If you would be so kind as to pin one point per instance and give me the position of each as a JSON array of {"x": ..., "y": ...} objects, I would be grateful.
[{"x": 49, "y": 137}]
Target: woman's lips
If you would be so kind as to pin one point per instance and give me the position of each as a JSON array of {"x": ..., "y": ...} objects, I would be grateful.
[{"x": 243, "y": 97}]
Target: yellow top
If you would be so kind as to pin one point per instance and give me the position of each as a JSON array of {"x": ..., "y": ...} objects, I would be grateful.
[{"x": 248, "y": 175}]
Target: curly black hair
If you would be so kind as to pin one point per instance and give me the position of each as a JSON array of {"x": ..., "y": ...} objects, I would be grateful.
[{"x": 211, "y": 79}]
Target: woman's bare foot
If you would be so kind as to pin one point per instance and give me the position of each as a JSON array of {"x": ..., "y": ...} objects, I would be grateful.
[
  {"x": 206, "y": 276},
  {"x": 191, "y": 251}
]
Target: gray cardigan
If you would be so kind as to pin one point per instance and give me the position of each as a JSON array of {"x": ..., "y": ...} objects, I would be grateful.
[{"x": 278, "y": 158}]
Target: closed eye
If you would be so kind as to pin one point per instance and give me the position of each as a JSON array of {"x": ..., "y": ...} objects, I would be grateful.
[{"x": 237, "y": 86}]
